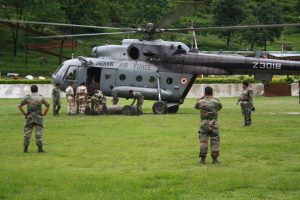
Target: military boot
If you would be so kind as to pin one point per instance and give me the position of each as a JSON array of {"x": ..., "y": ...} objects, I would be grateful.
[
  {"x": 202, "y": 161},
  {"x": 215, "y": 161},
  {"x": 25, "y": 149},
  {"x": 40, "y": 149}
]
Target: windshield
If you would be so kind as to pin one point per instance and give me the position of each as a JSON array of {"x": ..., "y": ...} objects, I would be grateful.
[{"x": 56, "y": 71}]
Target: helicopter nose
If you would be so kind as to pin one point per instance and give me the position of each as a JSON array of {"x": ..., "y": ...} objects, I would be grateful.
[{"x": 55, "y": 79}]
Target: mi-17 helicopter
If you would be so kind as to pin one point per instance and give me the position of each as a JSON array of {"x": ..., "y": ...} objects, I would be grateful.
[{"x": 163, "y": 71}]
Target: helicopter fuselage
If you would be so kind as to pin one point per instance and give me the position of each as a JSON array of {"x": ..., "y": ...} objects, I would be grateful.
[{"x": 161, "y": 70}]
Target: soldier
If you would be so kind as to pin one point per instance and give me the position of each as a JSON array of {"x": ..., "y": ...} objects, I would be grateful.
[
  {"x": 209, "y": 107},
  {"x": 95, "y": 101},
  {"x": 114, "y": 94},
  {"x": 70, "y": 99},
  {"x": 33, "y": 117},
  {"x": 81, "y": 97},
  {"x": 140, "y": 100},
  {"x": 56, "y": 99},
  {"x": 246, "y": 103},
  {"x": 92, "y": 87}
]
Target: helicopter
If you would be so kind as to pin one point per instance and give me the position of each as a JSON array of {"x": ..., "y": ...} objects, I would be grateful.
[{"x": 164, "y": 71}]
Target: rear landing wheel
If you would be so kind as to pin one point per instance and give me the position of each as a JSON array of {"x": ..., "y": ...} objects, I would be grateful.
[{"x": 160, "y": 107}]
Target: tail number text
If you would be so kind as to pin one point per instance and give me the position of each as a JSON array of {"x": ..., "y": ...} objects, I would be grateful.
[{"x": 266, "y": 65}]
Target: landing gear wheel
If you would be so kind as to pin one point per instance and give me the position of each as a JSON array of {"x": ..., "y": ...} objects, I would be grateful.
[
  {"x": 173, "y": 109},
  {"x": 160, "y": 107}
]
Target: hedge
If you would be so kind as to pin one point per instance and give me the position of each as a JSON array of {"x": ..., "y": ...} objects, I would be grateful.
[{"x": 224, "y": 80}]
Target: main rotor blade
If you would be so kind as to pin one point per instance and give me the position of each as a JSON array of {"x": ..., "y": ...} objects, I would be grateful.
[
  {"x": 83, "y": 35},
  {"x": 234, "y": 27},
  {"x": 61, "y": 24}
]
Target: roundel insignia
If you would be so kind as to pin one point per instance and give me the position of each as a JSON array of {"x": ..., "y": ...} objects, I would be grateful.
[{"x": 184, "y": 80}]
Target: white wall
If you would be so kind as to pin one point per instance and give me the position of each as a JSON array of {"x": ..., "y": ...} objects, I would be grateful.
[
  {"x": 224, "y": 90},
  {"x": 220, "y": 90}
]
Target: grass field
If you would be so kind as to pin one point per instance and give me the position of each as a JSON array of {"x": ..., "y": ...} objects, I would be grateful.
[{"x": 153, "y": 156}]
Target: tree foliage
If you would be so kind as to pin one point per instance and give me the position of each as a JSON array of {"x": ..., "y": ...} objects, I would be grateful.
[{"x": 228, "y": 12}]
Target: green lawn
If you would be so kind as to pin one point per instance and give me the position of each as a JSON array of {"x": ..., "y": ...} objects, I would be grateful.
[{"x": 153, "y": 156}]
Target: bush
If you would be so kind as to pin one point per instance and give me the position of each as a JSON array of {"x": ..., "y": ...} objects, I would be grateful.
[
  {"x": 226, "y": 80},
  {"x": 240, "y": 79}
]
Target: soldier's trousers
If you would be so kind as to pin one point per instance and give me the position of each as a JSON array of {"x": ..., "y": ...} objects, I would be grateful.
[
  {"x": 139, "y": 108},
  {"x": 28, "y": 132},
  {"x": 70, "y": 108},
  {"x": 81, "y": 106},
  {"x": 246, "y": 111},
  {"x": 56, "y": 107},
  {"x": 209, "y": 129}
]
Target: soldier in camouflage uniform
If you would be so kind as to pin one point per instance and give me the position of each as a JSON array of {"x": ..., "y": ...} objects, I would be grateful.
[
  {"x": 139, "y": 97},
  {"x": 81, "y": 97},
  {"x": 33, "y": 117},
  {"x": 95, "y": 101},
  {"x": 56, "y": 99},
  {"x": 114, "y": 94},
  {"x": 209, "y": 128},
  {"x": 246, "y": 103},
  {"x": 70, "y": 99}
]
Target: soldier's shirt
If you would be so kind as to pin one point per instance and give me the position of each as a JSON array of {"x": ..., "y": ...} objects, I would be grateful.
[
  {"x": 209, "y": 108},
  {"x": 81, "y": 91},
  {"x": 34, "y": 104},
  {"x": 55, "y": 94},
  {"x": 69, "y": 91},
  {"x": 246, "y": 96},
  {"x": 139, "y": 96}
]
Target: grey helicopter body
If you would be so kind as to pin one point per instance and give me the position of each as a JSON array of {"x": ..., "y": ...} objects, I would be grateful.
[{"x": 161, "y": 70}]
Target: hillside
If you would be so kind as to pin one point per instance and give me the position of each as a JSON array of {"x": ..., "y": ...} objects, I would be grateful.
[{"x": 164, "y": 13}]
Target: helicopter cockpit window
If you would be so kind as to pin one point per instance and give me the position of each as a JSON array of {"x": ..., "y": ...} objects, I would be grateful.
[
  {"x": 71, "y": 73},
  {"x": 151, "y": 79},
  {"x": 122, "y": 77},
  {"x": 139, "y": 78},
  {"x": 169, "y": 81},
  {"x": 134, "y": 53}
]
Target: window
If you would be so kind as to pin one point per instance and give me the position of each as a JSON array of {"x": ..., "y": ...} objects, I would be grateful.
[
  {"x": 107, "y": 76},
  {"x": 134, "y": 53},
  {"x": 151, "y": 79},
  {"x": 139, "y": 78},
  {"x": 122, "y": 77},
  {"x": 169, "y": 81},
  {"x": 71, "y": 73}
]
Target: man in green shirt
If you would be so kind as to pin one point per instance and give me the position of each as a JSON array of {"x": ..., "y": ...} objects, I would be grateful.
[{"x": 56, "y": 99}]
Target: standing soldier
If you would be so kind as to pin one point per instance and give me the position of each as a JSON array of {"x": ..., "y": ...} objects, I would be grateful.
[
  {"x": 70, "y": 99},
  {"x": 209, "y": 128},
  {"x": 246, "y": 103},
  {"x": 114, "y": 94},
  {"x": 81, "y": 97},
  {"x": 139, "y": 97},
  {"x": 33, "y": 117},
  {"x": 56, "y": 99}
]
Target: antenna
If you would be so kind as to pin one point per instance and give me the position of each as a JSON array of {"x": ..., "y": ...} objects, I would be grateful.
[{"x": 194, "y": 40}]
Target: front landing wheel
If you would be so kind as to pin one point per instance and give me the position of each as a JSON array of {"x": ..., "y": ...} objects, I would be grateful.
[{"x": 160, "y": 107}]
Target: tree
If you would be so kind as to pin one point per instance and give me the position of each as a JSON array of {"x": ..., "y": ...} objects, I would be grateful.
[
  {"x": 228, "y": 12},
  {"x": 16, "y": 10},
  {"x": 268, "y": 12}
]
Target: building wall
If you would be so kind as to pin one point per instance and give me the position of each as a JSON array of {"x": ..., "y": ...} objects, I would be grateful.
[{"x": 220, "y": 90}]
